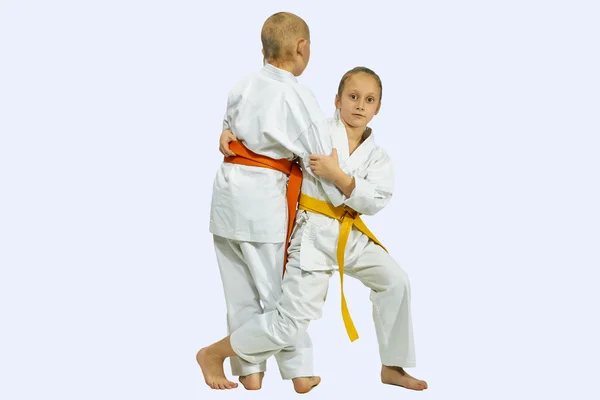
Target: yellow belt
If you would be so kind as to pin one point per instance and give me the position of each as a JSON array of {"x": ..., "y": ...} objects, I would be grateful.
[{"x": 348, "y": 218}]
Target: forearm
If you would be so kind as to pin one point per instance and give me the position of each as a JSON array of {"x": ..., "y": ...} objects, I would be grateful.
[
  {"x": 368, "y": 197},
  {"x": 345, "y": 183},
  {"x": 332, "y": 191}
]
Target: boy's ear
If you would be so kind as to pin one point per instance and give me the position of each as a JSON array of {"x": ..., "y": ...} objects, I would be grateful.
[
  {"x": 336, "y": 102},
  {"x": 301, "y": 46},
  {"x": 263, "y": 52}
]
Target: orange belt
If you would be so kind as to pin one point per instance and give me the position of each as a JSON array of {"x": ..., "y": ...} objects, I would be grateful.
[{"x": 246, "y": 157}]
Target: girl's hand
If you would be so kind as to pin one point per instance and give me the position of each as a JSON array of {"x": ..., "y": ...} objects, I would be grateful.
[
  {"x": 326, "y": 167},
  {"x": 226, "y": 137}
]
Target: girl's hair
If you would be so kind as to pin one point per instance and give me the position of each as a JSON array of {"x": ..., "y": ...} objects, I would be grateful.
[{"x": 357, "y": 70}]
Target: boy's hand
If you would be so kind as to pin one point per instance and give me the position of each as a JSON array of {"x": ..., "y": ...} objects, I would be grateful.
[
  {"x": 326, "y": 166},
  {"x": 226, "y": 137}
]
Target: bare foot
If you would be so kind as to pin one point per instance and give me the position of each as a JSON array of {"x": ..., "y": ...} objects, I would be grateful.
[
  {"x": 252, "y": 381},
  {"x": 397, "y": 376},
  {"x": 306, "y": 384},
  {"x": 212, "y": 369}
]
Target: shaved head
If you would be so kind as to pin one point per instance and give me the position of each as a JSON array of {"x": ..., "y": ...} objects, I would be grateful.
[{"x": 280, "y": 33}]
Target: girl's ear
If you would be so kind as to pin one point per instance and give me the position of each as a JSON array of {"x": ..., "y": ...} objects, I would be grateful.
[{"x": 378, "y": 107}]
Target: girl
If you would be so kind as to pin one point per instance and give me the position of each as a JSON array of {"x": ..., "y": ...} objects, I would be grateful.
[{"x": 327, "y": 237}]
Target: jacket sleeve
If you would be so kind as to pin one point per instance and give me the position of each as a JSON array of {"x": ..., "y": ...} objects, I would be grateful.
[{"x": 374, "y": 185}]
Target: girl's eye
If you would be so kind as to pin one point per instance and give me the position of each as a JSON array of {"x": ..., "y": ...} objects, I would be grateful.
[
  {"x": 370, "y": 99},
  {"x": 353, "y": 96}
]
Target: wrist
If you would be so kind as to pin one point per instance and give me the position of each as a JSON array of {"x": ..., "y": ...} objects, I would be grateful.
[{"x": 338, "y": 176}]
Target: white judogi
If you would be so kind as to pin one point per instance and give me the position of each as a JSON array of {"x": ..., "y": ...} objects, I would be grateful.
[
  {"x": 272, "y": 115},
  {"x": 312, "y": 261}
]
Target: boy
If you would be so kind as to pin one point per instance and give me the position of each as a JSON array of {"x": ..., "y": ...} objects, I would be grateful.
[{"x": 276, "y": 120}]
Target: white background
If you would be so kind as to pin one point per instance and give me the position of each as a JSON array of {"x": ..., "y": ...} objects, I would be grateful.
[{"x": 110, "y": 113}]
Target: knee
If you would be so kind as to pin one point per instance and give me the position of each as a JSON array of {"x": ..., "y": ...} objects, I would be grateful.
[
  {"x": 239, "y": 314},
  {"x": 288, "y": 329},
  {"x": 399, "y": 281}
]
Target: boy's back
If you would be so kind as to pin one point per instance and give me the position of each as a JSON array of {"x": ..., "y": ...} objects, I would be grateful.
[
  {"x": 268, "y": 110},
  {"x": 272, "y": 115}
]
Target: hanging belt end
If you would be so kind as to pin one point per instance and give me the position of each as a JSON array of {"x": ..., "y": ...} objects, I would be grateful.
[{"x": 348, "y": 323}]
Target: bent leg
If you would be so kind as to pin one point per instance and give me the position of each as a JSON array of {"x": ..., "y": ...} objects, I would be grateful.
[
  {"x": 266, "y": 266},
  {"x": 302, "y": 299},
  {"x": 390, "y": 295}
]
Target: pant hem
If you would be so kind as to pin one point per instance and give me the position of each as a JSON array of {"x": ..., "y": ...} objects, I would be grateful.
[
  {"x": 400, "y": 364},
  {"x": 246, "y": 373},
  {"x": 296, "y": 374}
]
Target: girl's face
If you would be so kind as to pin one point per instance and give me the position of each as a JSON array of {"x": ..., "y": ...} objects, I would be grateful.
[{"x": 359, "y": 101}]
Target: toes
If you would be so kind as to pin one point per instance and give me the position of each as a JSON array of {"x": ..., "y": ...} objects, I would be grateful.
[{"x": 222, "y": 385}]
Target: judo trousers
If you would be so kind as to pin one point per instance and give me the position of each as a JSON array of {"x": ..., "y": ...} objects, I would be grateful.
[
  {"x": 251, "y": 273},
  {"x": 303, "y": 296}
]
